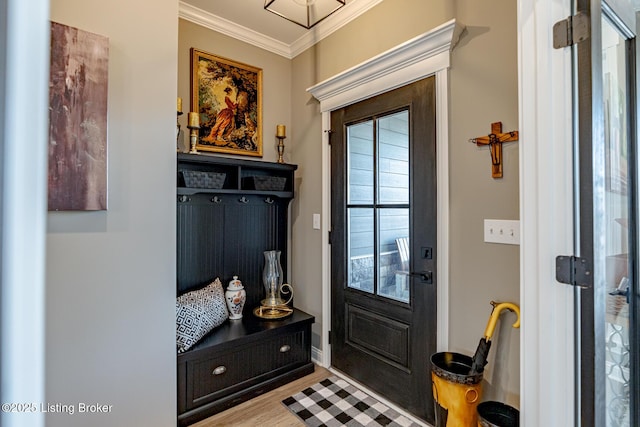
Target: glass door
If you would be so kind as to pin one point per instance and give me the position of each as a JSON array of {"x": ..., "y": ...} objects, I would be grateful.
[
  {"x": 606, "y": 233},
  {"x": 616, "y": 245}
]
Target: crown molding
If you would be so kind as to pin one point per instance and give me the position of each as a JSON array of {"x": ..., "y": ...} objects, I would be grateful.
[
  {"x": 334, "y": 22},
  {"x": 331, "y": 24},
  {"x": 231, "y": 29}
]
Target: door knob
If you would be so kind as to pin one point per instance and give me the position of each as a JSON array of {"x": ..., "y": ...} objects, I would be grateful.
[{"x": 425, "y": 276}]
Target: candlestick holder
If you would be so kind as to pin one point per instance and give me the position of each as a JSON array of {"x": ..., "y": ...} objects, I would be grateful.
[
  {"x": 193, "y": 138},
  {"x": 178, "y": 131},
  {"x": 280, "y": 148}
]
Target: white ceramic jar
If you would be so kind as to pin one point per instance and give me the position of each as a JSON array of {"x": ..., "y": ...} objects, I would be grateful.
[{"x": 235, "y": 296}]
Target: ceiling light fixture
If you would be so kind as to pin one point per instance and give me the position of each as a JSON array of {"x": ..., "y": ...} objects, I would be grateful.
[{"x": 305, "y": 13}]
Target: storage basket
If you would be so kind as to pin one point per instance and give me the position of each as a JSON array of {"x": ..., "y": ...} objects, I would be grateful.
[
  {"x": 267, "y": 183},
  {"x": 200, "y": 179}
]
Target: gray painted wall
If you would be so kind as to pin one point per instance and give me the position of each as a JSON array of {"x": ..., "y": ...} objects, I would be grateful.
[
  {"x": 110, "y": 279},
  {"x": 484, "y": 84}
]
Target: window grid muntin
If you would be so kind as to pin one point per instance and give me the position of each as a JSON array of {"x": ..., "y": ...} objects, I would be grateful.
[{"x": 375, "y": 206}]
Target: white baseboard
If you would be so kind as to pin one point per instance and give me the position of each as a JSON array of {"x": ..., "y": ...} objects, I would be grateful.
[{"x": 316, "y": 356}]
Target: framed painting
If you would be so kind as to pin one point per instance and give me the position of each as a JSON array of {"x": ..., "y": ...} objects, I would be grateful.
[
  {"x": 227, "y": 95},
  {"x": 78, "y": 87}
]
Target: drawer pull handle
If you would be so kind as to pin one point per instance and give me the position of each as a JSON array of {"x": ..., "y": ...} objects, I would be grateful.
[
  {"x": 285, "y": 348},
  {"x": 219, "y": 370}
]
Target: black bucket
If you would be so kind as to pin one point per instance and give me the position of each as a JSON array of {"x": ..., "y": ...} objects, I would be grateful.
[
  {"x": 456, "y": 393},
  {"x": 497, "y": 414}
]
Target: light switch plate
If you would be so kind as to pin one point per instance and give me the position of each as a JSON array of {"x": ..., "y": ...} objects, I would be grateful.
[
  {"x": 316, "y": 221},
  {"x": 502, "y": 231}
]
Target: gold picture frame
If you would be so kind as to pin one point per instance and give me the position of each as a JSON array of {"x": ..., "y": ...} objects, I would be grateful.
[{"x": 227, "y": 95}]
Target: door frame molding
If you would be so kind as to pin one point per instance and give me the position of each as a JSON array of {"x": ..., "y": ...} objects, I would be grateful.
[
  {"x": 546, "y": 217},
  {"x": 24, "y": 102},
  {"x": 425, "y": 55}
]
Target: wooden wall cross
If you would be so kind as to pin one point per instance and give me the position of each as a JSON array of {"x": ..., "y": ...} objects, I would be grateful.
[{"x": 495, "y": 140}]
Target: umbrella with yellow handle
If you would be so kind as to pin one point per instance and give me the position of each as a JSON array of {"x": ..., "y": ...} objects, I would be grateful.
[
  {"x": 479, "y": 359},
  {"x": 457, "y": 378}
]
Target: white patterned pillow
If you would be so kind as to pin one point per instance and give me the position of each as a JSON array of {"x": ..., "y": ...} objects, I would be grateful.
[{"x": 198, "y": 312}]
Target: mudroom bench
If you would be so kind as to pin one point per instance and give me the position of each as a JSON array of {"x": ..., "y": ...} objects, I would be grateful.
[{"x": 230, "y": 211}]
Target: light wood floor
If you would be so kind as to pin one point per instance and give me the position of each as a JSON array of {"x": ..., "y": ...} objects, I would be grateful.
[{"x": 266, "y": 410}]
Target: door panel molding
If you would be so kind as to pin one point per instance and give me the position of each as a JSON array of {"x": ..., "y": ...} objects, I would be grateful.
[
  {"x": 390, "y": 343},
  {"x": 425, "y": 55}
]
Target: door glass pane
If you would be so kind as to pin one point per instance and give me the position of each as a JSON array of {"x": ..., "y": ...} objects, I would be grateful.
[
  {"x": 615, "y": 243},
  {"x": 361, "y": 249},
  {"x": 393, "y": 158},
  {"x": 360, "y": 158},
  {"x": 378, "y": 205},
  {"x": 393, "y": 253}
]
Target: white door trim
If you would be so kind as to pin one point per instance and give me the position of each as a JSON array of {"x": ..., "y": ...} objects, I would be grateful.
[
  {"x": 420, "y": 57},
  {"x": 546, "y": 217},
  {"x": 23, "y": 216}
]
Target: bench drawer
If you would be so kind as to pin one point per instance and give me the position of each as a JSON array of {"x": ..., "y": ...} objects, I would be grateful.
[{"x": 227, "y": 372}]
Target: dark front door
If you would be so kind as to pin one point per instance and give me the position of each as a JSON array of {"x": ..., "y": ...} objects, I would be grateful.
[{"x": 383, "y": 243}]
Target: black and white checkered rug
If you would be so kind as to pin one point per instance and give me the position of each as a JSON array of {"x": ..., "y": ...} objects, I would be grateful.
[{"x": 334, "y": 403}]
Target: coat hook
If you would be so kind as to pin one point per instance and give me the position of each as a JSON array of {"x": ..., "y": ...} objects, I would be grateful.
[
  {"x": 269, "y": 200},
  {"x": 243, "y": 200},
  {"x": 216, "y": 199}
]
